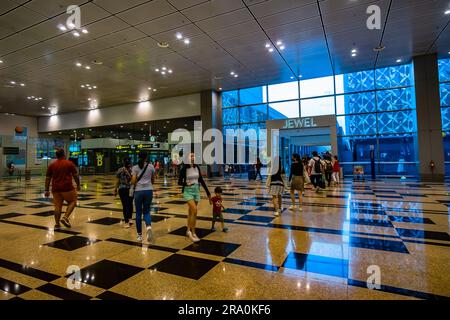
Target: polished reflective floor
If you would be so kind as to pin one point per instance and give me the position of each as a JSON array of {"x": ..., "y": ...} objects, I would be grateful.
[{"x": 328, "y": 251}]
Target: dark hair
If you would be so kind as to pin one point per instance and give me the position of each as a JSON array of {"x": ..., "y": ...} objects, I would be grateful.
[
  {"x": 60, "y": 153},
  {"x": 296, "y": 156},
  {"x": 142, "y": 159},
  {"x": 336, "y": 158},
  {"x": 315, "y": 154},
  {"x": 218, "y": 190},
  {"x": 126, "y": 162}
]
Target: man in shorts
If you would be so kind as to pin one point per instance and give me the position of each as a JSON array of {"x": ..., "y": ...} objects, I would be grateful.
[{"x": 60, "y": 174}]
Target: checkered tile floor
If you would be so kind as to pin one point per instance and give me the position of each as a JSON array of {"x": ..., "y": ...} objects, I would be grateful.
[{"x": 324, "y": 252}]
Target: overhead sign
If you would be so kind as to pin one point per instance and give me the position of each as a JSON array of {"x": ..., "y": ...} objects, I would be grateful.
[
  {"x": 139, "y": 146},
  {"x": 299, "y": 123},
  {"x": 11, "y": 150}
]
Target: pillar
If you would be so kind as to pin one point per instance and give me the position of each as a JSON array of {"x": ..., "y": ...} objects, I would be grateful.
[
  {"x": 211, "y": 117},
  {"x": 429, "y": 123}
]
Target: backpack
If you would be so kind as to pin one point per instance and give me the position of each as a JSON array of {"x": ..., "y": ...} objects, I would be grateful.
[
  {"x": 317, "y": 166},
  {"x": 329, "y": 166}
]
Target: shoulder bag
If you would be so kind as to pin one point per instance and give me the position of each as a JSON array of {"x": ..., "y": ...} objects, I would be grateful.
[{"x": 138, "y": 179}]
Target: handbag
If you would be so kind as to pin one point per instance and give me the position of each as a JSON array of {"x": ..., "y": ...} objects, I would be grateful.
[{"x": 132, "y": 189}]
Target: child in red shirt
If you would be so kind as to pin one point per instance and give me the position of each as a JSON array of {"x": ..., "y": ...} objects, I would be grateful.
[{"x": 217, "y": 209}]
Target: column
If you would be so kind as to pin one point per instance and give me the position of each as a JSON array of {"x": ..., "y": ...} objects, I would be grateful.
[
  {"x": 429, "y": 123},
  {"x": 211, "y": 117}
]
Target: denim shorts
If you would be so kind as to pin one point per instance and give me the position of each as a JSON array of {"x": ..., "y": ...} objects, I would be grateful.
[{"x": 192, "y": 193}]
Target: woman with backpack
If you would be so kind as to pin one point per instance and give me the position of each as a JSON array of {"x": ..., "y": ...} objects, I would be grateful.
[
  {"x": 328, "y": 168},
  {"x": 122, "y": 187},
  {"x": 191, "y": 179},
  {"x": 297, "y": 181},
  {"x": 143, "y": 178}
]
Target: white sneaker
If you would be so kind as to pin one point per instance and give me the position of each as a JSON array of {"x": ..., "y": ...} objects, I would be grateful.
[
  {"x": 126, "y": 225},
  {"x": 197, "y": 239},
  {"x": 139, "y": 238},
  {"x": 191, "y": 237},
  {"x": 300, "y": 209},
  {"x": 276, "y": 214},
  {"x": 292, "y": 208},
  {"x": 149, "y": 234}
]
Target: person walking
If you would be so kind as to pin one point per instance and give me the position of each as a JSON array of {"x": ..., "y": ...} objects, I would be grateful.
[
  {"x": 316, "y": 170},
  {"x": 336, "y": 170},
  {"x": 60, "y": 174},
  {"x": 190, "y": 180},
  {"x": 276, "y": 186},
  {"x": 143, "y": 178},
  {"x": 123, "y": 185},
  {"x": 328, "y": 168},
  {"x": 258, "y": 167},
  {"x": 297, "y": 182}
]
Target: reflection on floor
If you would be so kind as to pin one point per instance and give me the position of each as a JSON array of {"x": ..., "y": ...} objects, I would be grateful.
[{"x": 328, "y": 251}]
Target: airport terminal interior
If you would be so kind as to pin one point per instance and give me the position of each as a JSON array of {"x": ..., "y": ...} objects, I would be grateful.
[{"x": 86, "y": 86}]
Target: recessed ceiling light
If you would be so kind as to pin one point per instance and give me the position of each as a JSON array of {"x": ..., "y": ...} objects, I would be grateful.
[
  {"x": 267, "y": 45},
  {"x": 154, "y": 90},
  {"x": 88, "y": 67},
  {"x": 220, "y": 89},
  {"x": 236, "y": 76},
  {"x": 164, "y": 68},
  {"x": 282, "y": 47},
  {"x": 163, "y": 72},
  {"x": 76, "y": 34},
  {"x": 157, "y": 70},
  {"x": 354, "y": 54},
  {"x": 292, "y": 77},
  {"x": 232, "y": 73},
  {"x": 78, "y": 64},
  {"x": 179, "y": 36},
  {"x": 62, "y": 27},
  {"x": 271, "y": 50},
  {"x": 187, "y": 41},
  {"x": 42, "y": 107},
  {"x": 71, "y": 25},
  {"x": 149, "y": 88},
  {"x": 279, "y": 43},
  {"x": 85, "y": 31},
  {"x": 95, "y": 87},
  {"x": 170, "y": 71},
  {"x": 399, "y": 60},
  {"x": 447, "y": 12},
  {"x": 12, "y": 82},
  {"x": 22, "y": 84},
  {"x": 354, "y": 51},
  {"x": 300, "y": 76},
  {"x": 1, "y": 61},
  {"x": 82, "y": 85}
]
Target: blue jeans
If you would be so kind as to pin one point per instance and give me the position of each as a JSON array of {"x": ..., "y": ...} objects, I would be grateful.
[{"x": 142, "y": 201}]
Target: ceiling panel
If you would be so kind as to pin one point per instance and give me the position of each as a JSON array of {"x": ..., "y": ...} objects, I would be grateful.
[{"x": 146, "y": 12}]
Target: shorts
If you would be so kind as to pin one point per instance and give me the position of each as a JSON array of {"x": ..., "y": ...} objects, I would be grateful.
[
  {"x": 298, "y": 183},
  {"x": 60, "y": 197},
  {"x": 192, "y": 193},
  {"x": 276, "y": 190}
]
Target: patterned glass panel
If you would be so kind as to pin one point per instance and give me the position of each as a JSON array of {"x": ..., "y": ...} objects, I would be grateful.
[
  {"x": 396, "y": 99},
  {"x": 230, "y": 99},
  {"x": 364, "y": 124},
  {"x": 445, "y": 114},
  {"x": 253, "y": 113},
  {"x": 355, "y": 82},
  {"x": 230, "y": 116},
  {"x": 356, "y": 103},
  {"x": 392, "y": 77},
  {"x": 396, "y": 122},
  {"x": 253, "y": 95},
  {"x": 444, "y": 70},
  {"x": 445, "y": 94}
]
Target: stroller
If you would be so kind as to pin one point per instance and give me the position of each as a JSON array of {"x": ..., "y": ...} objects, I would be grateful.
[{"x": 358, "y": 173}]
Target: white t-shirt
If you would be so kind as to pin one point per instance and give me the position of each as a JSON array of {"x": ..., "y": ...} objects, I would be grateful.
[
  {"x": 192, "y": 176},
  {"x": 146, "y": 181},
  {"x": 312, "y": 164}
]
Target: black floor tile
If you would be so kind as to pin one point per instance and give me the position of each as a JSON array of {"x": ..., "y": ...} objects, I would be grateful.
[
  {"x": 10, "y": 215},
  {"x": 71, "y": 243},
  {"x": 45, "y": 213},
  {"x": 377, "y": 244},
  {"x": 156, "y": 218},
  {"x": 200, "y": 232},
  {"x": 372, "y": 222},
  {"x": 266, "y": 209},
  {"x": 215, "y": 248},
  {"x": 185, "y": 266},
  {"x": 97, "y": 204},
  {"x": 176, "y": 202},
  {"x": 29, "y": 271},
  {"x": 107, "y": 221},
  {"x": 12, "y": 287},
  {"x": 317, "y": 264},
  {"x": 252, "y": 203},
  {"x": 251, "y": 264},
  {"x": 253, "y": 218},
  {"x": 108, "y": 295},
  {"x": 106, "y": 274},
  {"x": 38, "y": 206},
  {"x": 423, "y": 234},
  {"x": 237, "y": 211},
  {"x": 142, "y": 245},
  {"x": 62, "y": 293},
  {"x": 411, "y": 219}
]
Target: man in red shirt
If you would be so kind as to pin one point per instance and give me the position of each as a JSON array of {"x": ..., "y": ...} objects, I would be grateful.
[{"x": 60, "y": 174}]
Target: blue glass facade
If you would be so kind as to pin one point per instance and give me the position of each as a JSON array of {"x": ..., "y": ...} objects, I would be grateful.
[
  {"x": 444, "y": 84},
  {"x": 374, "y": 109}
]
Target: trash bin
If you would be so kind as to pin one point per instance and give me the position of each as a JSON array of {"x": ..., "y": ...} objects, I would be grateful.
[{"x": 27, "y": 175}]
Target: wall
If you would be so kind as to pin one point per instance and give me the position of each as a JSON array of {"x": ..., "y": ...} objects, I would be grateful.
[
  {"x": 9, "y": 123},
  {"x": 175, "y": 107}
]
